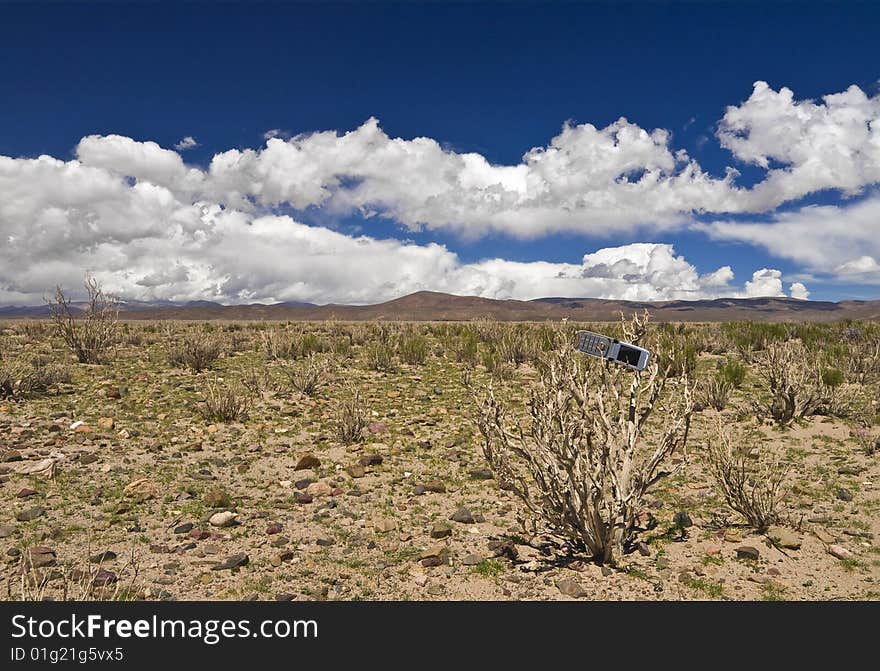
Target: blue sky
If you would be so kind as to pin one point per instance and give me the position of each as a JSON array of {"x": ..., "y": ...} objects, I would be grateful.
[{"x": 490, "y": 79}]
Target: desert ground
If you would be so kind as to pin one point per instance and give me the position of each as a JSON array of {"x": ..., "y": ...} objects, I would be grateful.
[{"x": 344, "y": 461}]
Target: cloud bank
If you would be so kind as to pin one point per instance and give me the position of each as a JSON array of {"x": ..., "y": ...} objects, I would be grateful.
[{"x": 153, "y": 227}]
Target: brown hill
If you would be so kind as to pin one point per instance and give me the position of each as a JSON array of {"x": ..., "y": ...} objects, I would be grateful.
[{"x": 434, "y": 306}]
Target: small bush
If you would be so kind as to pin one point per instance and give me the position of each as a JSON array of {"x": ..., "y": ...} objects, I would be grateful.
[
  {"x": 413, "y": 349},
  {"x": 196, "y": 351},
  {"x": 90, "y": 333},
  {"x": 308, "y": 375},
  {"x": 715, "y": 392},
  {"x": 224, "y": 403},
  {"x": 733, "y": 372},
  {"x": 351, "y": 419},
  {"x": 754, "y": 491},
  {"x": 379, "y": 356}
]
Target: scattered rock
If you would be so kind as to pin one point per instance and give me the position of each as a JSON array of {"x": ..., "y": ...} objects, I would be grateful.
[
  {"x": 302, "y": 484},
  {"x": 823, "y": 536},
  {"x": 101, "y": 557},
  {"x": 435, "y": 486},
  {"x": 504, "y": 549},
  {"x": 839, "y": 552},
  {"x": 106, "y": 423},
  {"x": 436, "y": 589},
  {"x": 274, "y": 529},
  {"x": 139, "y": 490},
  {"x": 26, "y": 492},
  {"x": 183, "y": 528},
  {"x": 571, "y": 588},
  {"x": 747, "y": 552},
  {"x": 370, "y": 460},
  {"x": 317, "y": 489},
  {"x": 472, "y": 560},
  {"x": 356, "y": 471},
  {"x": 232, "y": 562},
  {"x": 441, "y": 530},
  {"x": 303, "y": 498},
  {"x": 385, "y": 525},
  {"x": 306, "y": 462},
  {"x": 682, "y": 520},
  {"x": 784, "y": 537},
  {"x": 643, "y": 549},
  {"x": 844, "y": 494},
  {"x": 6, "y": 530},
  {"x": 41, "y": 556},
  {"x": 435, "y": 555},
  {"x": 463, "y": 515},
  {"x": 481, "y": 474},
  {"x": 8, "y": 456},
  {"x": 103, "y": 577},
  {"x": 223, "y": 519},
  {"x": 30, "y": 514}
]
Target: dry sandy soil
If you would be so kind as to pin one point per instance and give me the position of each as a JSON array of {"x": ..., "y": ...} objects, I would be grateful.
[{"x": 139, "y": 475}]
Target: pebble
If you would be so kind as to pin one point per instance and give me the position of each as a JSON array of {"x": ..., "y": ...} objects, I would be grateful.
[
  {"x": 785, "y": 538},
  {"x": 463, "y": 516},
  {"x": 274, "y": 529},
  {"x": 481, "y": 474},
  {"x": 232, "y": 562},
  {"x": 747, "y": 552},
  {"x": 103, "y": 577},
  {"x": 441, "y": 530},
  {"x": 385, "y": 525},
  {"x": 183, "y": 528},
  {"x": 370, "y": 460},
  {"x": 317, "y": 489},
  {"x": 26, "y": 492},
  {"x": 306, "y": 462},
  {"x": 223, "y": 519},
  {"x": 472, "y": 560},
  {"x": 356, "y": 471},
  {"x": 839, "y": 552},
  {"x": 41, "y": 556},
  {"x": 6, "y": 531},
  {"x": 571, "y": 588},
  {"x": 30, "y": 514},
  {"x": 101, "y": 557},
  {"x": 844, "y": 494},
  {"x": 435, "y": 486}
]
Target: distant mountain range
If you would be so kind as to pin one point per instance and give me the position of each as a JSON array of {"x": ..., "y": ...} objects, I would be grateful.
[{"x": 435, "y": 306}]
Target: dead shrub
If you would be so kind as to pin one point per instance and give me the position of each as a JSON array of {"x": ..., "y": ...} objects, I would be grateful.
[
  {"x": 225, "y": 403},
  {"x": 351, "y": 419},
  {"x": 585, "y": 460},
  {"x": 91, "y": 332},
  {"x": 755, "y": 488},
  {"x": 793, "y": 380},
  {"x": 308, "y": 375},
  {"x": 715, "y": 392},
  {"x": 196, "y": 351}
]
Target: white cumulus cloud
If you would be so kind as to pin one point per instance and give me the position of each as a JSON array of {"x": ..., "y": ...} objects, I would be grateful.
[{"x": 189, "y": 142}]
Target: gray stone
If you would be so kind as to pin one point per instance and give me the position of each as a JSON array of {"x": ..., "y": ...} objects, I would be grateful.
[
  {"x": 233, "y": 562},
  {"x": 463, "y": 515},
  {"x": 785, "y": 538},
  {"x": 571, "y": 588},
  {"x": 747, "y": 552},
  {"x": 441, "y": 530},
  {"x": 30, "y": 514}
]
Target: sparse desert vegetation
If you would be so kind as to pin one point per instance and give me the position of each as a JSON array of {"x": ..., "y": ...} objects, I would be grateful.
[{"x": 436, "y": 460}]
